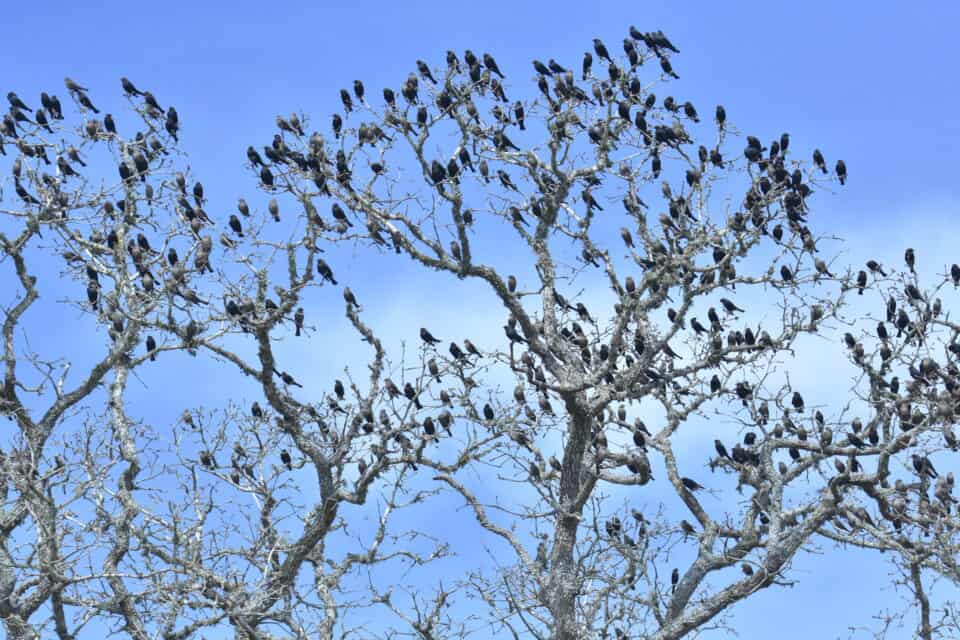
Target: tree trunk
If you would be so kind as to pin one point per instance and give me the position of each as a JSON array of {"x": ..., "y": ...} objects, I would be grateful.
[{"x": 563, "y": 571}]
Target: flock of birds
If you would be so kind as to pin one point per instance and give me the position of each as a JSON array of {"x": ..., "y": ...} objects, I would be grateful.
[{"x": 636, "y": 111}]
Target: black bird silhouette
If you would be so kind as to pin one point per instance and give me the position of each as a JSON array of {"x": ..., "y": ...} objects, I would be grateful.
[
  {"x": 16, "y": 102},
  {"x": 235, "y": 225},
  {"x": 346, "y": 100},
  {"x": 797, "y": 401},
  {"x": 822, "y": 268},
  {"x": 861, "y": 281},
  {"x": 512, "y": 334},
  {"x": 52, "y": 104},
  {"x": 129, "y": 88},
  {"x": 502, "y": 142},
  {"x": 923, "y": 466},
  {"x": 518, "y": 114},
  {"x": 266, "y": 177},
  {"x": 286, "y": 460},
  {"x": 601, "y": 50},
  {"x": 172, "y": 124},
  {"x": 555, "y": 66},
  {"x": 349, "y": 297},
  {"x": 541, "y": 68},
  {"x": 424, "y": 70},
  {"x": 818, "y": 161},
  {"x": 84, "y": 100},
  {"x": 151, "y": 101},
  {"x": 729, "y": 305},
  {"x": 453, "y": 62},
  {"x": 389, "y": 97},
  {"x": 288, "y": 379},
  {"x": 427, "y": 337},
  {"x": 488, "y": 412},
  {"x": 437, "y": 172},
  {"x": 411, "y": 394},
  {"x": 910, "y": 258},
  {"x": 491, "y": 64},
  {"x": 721, "y": 450},
  {"x": 721, "y": 116},
  {"x": 876, "y": 267},
  {"x": 587, "y": 63},
  {"x": 72, "y": 86},
  {"x": 325, "y": 271},
  {"x": 668, "y": 68},
  {"x": 841, "y": 169},
  {"x": 254, "y": 157},
  {"x": 298, "y": 320}
]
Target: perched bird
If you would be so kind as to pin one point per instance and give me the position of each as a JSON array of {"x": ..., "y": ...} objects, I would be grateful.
[
  {"x": 325, "y": 271},
  {"x": 923, "y": 466},
  {"x": 16, "y": 102},
  {"x": 601, "y": 50},
  {"x": 286, "y": 459},
  {"x": 235, "y": 225},
  {"x": 841, "y": 170},
  {"x": 876, "y": 267},
  {"x": 298, "y": 318},
  {"x": 512, "y": 334},
  {"x": 729, "y": 306},
  {"x": 721, "y": 450},
  {"x": 541, "y": 68},
  {"x": 668, "y": 68},
  {"x": 518, "y": 113},
  {"x": 266, "y": 177},
  {"x": 488, "y": 412},
  {"x": 819, "y": 162},
  {"x": 151, "y": 101},
  {"x": 348, "y": 296},
  {"x": 346, "y": 100},
  {"x": 129, "y": 88},
  {"x": 424, "y": 70},
  {"x": 491, "y": 64},
  {"x": 427, "y": 337},
  {"x": 721, "y": 116},
  {"x": 471, "y": 348},
  {"x": 72, "y": 86},
  {"x": 910, "y": 258},
  {"x": 797, "y": 401}
]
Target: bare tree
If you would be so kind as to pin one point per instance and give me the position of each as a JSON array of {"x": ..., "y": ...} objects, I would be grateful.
[
  {"x": 219, "y": 520},
  {"x": 654, "y": 290}
]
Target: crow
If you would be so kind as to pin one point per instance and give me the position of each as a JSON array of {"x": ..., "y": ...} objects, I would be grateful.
[{"x": 427, "y": 337}]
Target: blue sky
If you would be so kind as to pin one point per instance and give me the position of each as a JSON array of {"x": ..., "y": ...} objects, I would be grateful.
[{"x": 874, "y": 83}]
